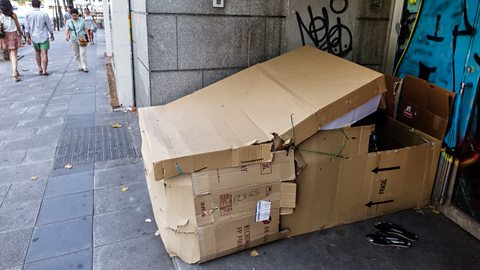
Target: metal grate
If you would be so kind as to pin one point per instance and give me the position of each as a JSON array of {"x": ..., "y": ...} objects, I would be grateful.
[{"x": 87, "y": 145}]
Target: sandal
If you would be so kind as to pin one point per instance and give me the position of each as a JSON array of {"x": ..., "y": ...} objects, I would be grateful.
[
  {"x": 16, "y": 76},
  {"x": 388, "y": 240},
  {"x": 45, "y": 73},
  {"x": 395, "y": 230}
]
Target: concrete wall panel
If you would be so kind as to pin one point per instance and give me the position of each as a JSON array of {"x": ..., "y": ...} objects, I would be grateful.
[
  {"x": 209, "y": 42},
  {"x": 232, "y": 7},
  {"x": 212, "y": 76},
  {"x": 162, "y": 39},
  {"x": 139, "y": 36},
  {"x": 171, "y": 85},
  {"x": 274, "y": 33}
]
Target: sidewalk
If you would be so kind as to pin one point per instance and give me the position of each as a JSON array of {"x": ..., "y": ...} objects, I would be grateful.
[{"x": 79, "y": 218}]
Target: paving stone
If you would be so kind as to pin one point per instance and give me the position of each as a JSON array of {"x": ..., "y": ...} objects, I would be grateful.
[
  {"x": 80, "y": 121},
  {"x": 112, "y": 199},
  {"x": 21, "y": 192},
  {"x": 15, "y": 145},
  {"x": 145, "y": 252},
  {"x": 73, "y": 170},
  {"x": 50, "y": 130},
  {"x": 24, "y": 172},
  {"x": 69, "y": 184},
  {"x": 122, "y": 225},
  {"x": 40, "y": 154},
  {"x": 46, "y": 140},
  {"x": 77, "y": 260},
  {"x": 13, "y": 248},
  {"x": 12, "y": 157},
  {"x": 124, "y": 175},
  {"x": 60, "y": 238},
  {"x": 54, "y": 113},
  {"x": 66, "y": 207},
  {"x": 82, "y": 104},
  {"x": 107, "y": 164},
  {"x": 17, "y": 134},
  {"x": 18, "y": 216}
]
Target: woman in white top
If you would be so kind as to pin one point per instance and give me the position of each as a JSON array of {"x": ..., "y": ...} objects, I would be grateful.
[
  {"x": 13, "y": 39},
  {"x": 90, "y": 24}
]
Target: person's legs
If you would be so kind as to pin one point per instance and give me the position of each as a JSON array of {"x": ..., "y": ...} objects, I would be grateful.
[
  {"x": 83, "y": 57},
  {"x": 44, "y": 61},
  {"x": 76, "y": 51},
  {"x": 14, "y": 61},
  {"x": 38, "y": 58},
  {"x": 92, "y": 36}
]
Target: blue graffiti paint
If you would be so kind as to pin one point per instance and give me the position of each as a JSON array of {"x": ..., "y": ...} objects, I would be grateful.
[{"x": 443, "y": 50}]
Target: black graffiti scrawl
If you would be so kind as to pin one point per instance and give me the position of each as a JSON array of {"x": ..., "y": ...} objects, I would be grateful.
[{"x": 336, "y": 38}]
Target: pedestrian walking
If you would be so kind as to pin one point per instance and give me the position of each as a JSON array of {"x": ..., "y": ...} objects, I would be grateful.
[
  {"x": 11, "y": 38},
  {"x": 38, "y": 28},
  {"x": 91, "y": 25},
  {"x": 68, "y": 15},
  {"x": 76, "y": 33}
]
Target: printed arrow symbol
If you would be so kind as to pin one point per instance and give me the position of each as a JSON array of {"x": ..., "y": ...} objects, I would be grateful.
[
  {"x": 377, "y": 169},
  {"x": 370, "y": 203}
]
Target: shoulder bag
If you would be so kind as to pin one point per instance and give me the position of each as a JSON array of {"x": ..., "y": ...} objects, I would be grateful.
[{"x": 82, "y": 41}]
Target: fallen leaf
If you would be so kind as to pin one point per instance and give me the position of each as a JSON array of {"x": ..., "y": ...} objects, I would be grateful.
[
  {"x": 254, "y": 253},
  {"x": 148, "y": 220},
  {"x": 435, "y": 211},
  {"x": 116, "y": 125},
  {"x": 68, "y": 166},
  {"x": 124, "y": 189},
  {"x": 34, "y": 178}
]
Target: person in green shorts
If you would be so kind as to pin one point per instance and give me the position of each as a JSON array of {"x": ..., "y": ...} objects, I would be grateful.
[{"x": 38, "y": 27}]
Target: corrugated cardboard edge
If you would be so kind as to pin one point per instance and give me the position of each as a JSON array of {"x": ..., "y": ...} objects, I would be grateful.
[
  {"x": 312, "y": 124},
  {"x": 241, "y": 156}
]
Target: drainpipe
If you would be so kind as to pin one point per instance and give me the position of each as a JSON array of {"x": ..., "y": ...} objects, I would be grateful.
[{"x": 131, "y": 52}]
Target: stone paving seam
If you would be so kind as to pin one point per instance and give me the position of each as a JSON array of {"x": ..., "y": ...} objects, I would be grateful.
[
  {"x": 34, "y": 261},
  {"x": 6, "y": 194}
]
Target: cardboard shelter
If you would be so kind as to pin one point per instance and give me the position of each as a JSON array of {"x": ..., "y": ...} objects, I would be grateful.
[
  {"x": 344, "y": 180},
  {"x": 232, "y": 122},
  {"x": 219, "y": 141}
]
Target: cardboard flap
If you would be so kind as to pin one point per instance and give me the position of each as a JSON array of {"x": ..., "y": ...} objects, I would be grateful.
[
  {"x": 232, "y": 121},
  {"x": 392, "y": 96},
  {"x": 288, "y": 195},
  {"x": 425, "y": 106}
]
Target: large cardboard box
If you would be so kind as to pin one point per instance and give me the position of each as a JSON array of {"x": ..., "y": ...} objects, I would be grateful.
[
  {"x": 347, "y": 179},
  {"x": 210, "y": 159}
]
